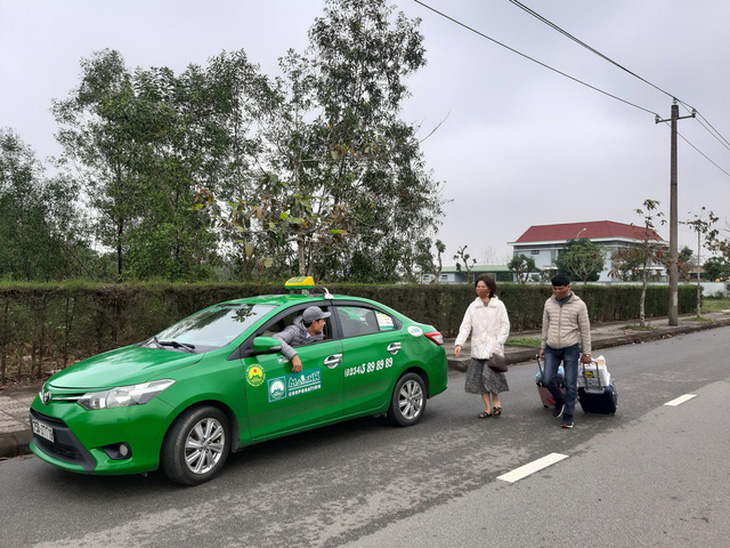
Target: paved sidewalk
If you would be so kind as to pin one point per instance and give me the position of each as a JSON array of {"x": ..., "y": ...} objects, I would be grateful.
[
  {"x": 15, "y": 434},
  {"x": 603, "y": 335}
]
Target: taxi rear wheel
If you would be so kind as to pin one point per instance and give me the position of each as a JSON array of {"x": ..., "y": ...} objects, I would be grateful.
[
  {"x": 197, "y": 446},
  {"x": 409, "y": 400}
]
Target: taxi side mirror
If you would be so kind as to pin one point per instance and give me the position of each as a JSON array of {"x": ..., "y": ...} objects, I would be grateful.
[{"x": 266, "y": 345}]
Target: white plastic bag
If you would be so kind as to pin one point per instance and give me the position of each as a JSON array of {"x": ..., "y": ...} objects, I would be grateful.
[{"x": 595, "y": 373}]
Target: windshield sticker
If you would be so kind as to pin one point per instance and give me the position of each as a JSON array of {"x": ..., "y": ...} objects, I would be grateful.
[
  {"x": 255, "y": 375},
  {"x": 415, "y": 331},
  {"x": 385, "y": 322},
  {"x": 369, "y": 367},
  {"x": 294, "y": 384}
]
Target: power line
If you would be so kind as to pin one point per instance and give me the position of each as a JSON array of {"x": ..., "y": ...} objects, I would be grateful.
[
  {"x": 708, "y": 127},
  {"x": 703, "y": 154},
  {"x": 716, "y": 134},
  {"x": 544, "y": 65},
  {"x": 586, "y": 46}
]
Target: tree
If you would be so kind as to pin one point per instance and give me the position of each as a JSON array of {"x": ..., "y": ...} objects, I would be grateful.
[
  {"x": 521, "y": 266},
  {"x": 343, "y": 191},
  {"x": 716, "y": 268},
  {"x": 462, "y": 256},
  {"x": 582, "y": 259},
  {"x": 142, "y": 143},
  {"x": 426, "y": 260},
  {"x": 703, "y": 227},
  {"x": 626, "y": 263},
  {"x": 650, "y": 252},
  {"x": 39, "y": 231}
]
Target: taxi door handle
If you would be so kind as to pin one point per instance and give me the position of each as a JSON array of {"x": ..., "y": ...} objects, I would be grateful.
[
  {"x": 333, "y": 360},
  {"x": 394, "y": 348}
]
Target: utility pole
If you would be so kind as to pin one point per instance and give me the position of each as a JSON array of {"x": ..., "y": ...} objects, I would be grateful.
[{"x": 673, "y": 220}]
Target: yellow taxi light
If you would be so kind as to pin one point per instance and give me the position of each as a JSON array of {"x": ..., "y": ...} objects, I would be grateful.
[{"x": 299, "y": 282}]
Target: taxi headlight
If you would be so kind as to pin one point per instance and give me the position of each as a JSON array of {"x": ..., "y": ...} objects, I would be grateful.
[{"x": 124, "y": 396}]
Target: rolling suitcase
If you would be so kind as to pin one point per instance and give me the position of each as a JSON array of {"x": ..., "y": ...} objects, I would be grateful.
[
  {"x": 597, "y": 389},
  {"x": 545, "y": 396}
]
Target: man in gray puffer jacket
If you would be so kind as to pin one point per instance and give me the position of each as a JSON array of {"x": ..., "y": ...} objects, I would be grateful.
[
  {"x": 306, "y": 329},
  {"x": 566, "y": 333}
]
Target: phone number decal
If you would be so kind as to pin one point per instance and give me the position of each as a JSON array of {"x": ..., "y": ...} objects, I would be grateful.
[{"x": 369, "y": 367}]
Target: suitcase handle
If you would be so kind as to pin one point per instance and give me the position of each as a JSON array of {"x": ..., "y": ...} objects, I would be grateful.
[{"x": 600, "y": 386}]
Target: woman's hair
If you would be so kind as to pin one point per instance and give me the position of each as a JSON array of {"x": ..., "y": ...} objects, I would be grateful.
[{"x": 490, "y": 283}]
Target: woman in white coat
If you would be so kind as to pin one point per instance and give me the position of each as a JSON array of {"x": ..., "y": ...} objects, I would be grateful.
[{"x": 487, "y": 321}]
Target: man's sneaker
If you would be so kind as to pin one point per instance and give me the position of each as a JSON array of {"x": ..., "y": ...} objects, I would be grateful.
[
  {"x": 567, "y": 424},
  {"x": 558, "y": 411}
]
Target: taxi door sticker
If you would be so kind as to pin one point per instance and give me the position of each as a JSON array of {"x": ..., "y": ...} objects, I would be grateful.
[
  {"x": 294, "y": 384},
  {"x": 255, "y": 375}
]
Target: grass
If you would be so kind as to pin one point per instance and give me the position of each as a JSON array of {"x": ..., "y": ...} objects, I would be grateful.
[
  {"x": 715, "y": 305},
  {"x": 524, "y": 341}
]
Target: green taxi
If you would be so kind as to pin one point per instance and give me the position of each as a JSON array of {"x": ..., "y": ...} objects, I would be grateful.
[{"x": 217, "y": 382}]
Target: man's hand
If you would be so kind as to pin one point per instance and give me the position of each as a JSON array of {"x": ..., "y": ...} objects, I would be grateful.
[
  {"x": 542, "y": 353},
  {"x": 296, "y": 364},
  {"x": 457, "y": 350},
  {"x": 586, "y": 358}
]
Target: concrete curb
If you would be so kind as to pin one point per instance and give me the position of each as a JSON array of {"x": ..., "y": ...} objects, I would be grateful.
[{"x": 14, "y": 444}]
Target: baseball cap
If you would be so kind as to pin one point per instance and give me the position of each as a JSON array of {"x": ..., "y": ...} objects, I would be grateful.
[{"x": 314, "y": 313}]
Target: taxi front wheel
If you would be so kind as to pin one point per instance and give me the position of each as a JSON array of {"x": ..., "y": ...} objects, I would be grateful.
[
  {"x": 409, "y": 400},
  {"x": 197, "y": 446}
]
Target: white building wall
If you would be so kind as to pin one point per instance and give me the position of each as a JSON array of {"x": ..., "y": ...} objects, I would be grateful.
[{"x": 544, "y": 255}]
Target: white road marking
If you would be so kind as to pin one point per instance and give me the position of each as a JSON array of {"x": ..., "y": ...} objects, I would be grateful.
[
  {"x": 681, "y": 399},
  {"x": 532, "y": 467}
]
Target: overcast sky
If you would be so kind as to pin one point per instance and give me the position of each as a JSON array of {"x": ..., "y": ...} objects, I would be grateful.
[{"x": 519, "y": 144}]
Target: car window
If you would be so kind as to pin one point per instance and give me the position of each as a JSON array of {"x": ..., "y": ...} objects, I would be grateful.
[
  {"x": 282, "y": 322},
  {"x": 210, "y": 328},
  {"x": 360, "y": 320}
]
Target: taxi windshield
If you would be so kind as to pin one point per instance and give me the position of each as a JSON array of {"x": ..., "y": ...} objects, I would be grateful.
[{"x": 210, "y": 329}]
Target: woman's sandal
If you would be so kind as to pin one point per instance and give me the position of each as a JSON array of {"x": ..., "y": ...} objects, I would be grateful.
[
  {"x": 484, "y": 415},
  {"x": 497, "y": 411}
]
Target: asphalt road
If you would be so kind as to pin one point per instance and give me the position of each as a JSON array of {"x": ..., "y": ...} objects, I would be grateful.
[{"x": 652, "y": 475}]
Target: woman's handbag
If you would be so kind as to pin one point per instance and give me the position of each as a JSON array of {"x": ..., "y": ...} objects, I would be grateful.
[{"x": 497, "y": 363}]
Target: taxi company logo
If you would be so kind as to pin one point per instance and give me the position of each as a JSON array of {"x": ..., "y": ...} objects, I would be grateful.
[
  {"x": 277, "y": 389},
  {"x": 415, "y": 331},
  {"x": 255, "y": 375},
  {"x": 295, "y": 385}
]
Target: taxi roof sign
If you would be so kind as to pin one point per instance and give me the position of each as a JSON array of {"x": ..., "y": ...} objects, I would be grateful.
[{"x": 299, "y": 282}]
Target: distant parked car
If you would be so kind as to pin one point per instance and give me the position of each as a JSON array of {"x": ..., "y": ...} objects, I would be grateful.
[{"x": 217, "y": 382}]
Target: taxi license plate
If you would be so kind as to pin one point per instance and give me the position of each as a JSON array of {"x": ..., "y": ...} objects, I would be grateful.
[{"x": 42, "y": 430}]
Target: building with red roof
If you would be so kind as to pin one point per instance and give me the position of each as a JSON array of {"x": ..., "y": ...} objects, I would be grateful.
[{"x": 543, "y": 243}]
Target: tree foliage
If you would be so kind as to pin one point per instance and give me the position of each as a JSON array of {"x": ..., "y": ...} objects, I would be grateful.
[
  {"x": 581, "y": 259},
  {"x": 521, "y": 266},
  {"x": 342, "y": 191},
  {"x": 651, "y": 251},
  {"x": 427, "y": 261},
  {"x": 716, "y": 268},
  {"x": 626, "y": 264},
  {"x": 464, "y": 261},
  {"x": 221, "y": 167},
  {"x": 142, "y": 143},
  {"x": 39, "y": 229}
]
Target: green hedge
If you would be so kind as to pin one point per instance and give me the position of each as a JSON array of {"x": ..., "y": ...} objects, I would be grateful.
[{"x": 48, "y": 326}]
